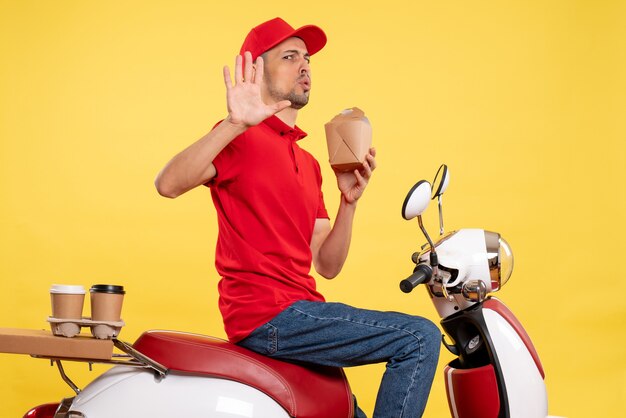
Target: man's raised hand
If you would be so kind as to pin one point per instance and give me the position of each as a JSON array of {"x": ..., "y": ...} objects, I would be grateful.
[{"x": 243, "y": 98}]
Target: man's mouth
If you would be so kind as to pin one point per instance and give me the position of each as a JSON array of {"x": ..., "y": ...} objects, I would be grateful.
[{"x": 305, "y": 82}]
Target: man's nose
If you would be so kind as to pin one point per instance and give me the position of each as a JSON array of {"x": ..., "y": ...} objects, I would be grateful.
[{"x": 305, "y": 68}]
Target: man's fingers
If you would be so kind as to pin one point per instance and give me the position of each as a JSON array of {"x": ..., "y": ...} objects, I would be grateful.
[
  {"x": 247, "y": 66},
  {"x": 227, "y": 80},
  {"x": 361, "y": 181},
  {"x": 371, "y": 161},
  {"x": 283, "y": 104},
  {"x": 259, "y": 68},
  {"x": 238, "y": 72},
  {"x": 368, "y": 169}
]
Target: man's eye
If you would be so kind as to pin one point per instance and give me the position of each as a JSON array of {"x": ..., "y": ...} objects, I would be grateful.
[{"x": 288, "y": 57}]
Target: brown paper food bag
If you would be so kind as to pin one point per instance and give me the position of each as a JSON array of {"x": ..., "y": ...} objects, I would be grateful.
[{"x": 349, "y": 138}]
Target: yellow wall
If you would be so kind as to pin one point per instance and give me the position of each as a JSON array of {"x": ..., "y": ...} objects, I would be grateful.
[{"x": 524, "y": 100}]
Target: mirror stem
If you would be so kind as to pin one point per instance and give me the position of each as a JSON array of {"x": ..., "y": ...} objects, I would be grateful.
[
  {"x": 430, "y": 242},
  {"x": 440, "y": 215},
  {"x": 434, "y": 262}
]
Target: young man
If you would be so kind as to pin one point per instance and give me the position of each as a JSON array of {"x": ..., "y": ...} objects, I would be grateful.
[{"x": 273, "y": 226}]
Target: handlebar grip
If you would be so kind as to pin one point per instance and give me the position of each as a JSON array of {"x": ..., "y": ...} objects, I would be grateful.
[{"x": 421, "y": 274}]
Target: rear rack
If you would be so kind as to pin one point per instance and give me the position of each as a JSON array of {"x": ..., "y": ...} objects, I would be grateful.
[{"x": 130, "y": 358}]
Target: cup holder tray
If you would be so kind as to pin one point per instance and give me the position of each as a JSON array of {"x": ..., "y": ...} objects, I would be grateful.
[{"x": 71, "y": 327}]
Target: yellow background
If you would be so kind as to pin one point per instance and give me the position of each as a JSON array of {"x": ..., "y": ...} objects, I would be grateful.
[{"x": 524, "y": 100}]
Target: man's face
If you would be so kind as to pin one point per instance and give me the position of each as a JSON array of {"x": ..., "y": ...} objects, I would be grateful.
[{"x": 287, "y": 74}]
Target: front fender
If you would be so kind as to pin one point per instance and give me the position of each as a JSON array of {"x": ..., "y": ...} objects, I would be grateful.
[{"x": 46, "y": 410}]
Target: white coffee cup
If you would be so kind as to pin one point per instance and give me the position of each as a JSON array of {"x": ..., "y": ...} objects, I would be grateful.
[{"x": 67, "y": 301}]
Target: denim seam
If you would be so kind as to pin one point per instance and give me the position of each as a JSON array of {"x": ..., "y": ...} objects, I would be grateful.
[
  {"x": 376, "y": 325},
  {"x": 417, "y": 366},
  {"x": 272, "y": 339}
]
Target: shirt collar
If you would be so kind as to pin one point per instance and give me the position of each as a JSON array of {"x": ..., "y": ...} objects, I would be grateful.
[{"x": 284, "y": 130}]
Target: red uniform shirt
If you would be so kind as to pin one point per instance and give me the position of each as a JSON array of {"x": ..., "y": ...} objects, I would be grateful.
[{"x": 267, "y": 194}]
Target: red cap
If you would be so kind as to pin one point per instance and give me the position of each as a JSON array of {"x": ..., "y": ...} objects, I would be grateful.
[{"x": 269, "y": 34}]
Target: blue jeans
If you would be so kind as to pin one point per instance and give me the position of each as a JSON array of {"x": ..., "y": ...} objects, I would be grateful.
[{"x": 338, "y": 335}]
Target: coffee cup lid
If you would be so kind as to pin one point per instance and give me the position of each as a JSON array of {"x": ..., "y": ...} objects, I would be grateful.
[
  {"x": 67, "y": 289},
  {"x": 107, "y": 288}
]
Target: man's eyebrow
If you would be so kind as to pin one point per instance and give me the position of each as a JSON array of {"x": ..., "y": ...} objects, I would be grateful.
[{"x": 295, "y": 51}]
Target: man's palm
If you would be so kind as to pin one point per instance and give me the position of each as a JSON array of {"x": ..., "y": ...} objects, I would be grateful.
[{"x": 244, "y": 100}]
